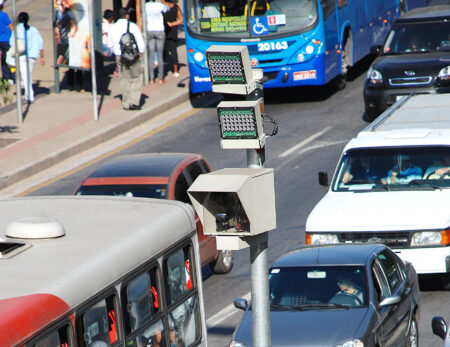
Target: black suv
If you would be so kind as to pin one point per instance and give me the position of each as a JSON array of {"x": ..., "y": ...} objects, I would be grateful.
[{"x": 415, "y": 58}]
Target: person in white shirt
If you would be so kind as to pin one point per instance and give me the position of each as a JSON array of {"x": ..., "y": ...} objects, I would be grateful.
[
  {"x": 156, "y": 37},
  {"x": 130, "y": 75}
]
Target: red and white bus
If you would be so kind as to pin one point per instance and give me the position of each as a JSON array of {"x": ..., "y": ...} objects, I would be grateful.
[{"x": 99, "y": 271}]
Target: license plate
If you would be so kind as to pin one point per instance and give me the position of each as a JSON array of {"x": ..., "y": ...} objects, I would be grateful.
[{"x": 305, "y": 75}]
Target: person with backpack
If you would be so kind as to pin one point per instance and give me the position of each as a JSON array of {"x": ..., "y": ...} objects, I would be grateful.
[{"x": 126, "y": 41}]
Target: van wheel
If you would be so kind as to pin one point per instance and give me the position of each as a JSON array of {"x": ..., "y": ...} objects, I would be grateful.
[
  {"x": 371, "y": 115},
  {"x": 223, "y": 263}
]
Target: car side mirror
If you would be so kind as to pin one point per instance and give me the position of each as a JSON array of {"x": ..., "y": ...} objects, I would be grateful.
[
  {"x": 241, "y": 303},
  {"x": 390, "y": 300},
  {"x": 375, "y": 50},
  {"x": 323, "y": 178},
  {"x": 439, "y": 327}
]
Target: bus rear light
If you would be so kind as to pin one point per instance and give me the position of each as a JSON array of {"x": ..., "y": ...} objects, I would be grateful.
[
  {"x": 338, "y": 51},
  {"x": 385, "y": 21},
  {"x": 190, "y": 50},
  {"x": 316, "y": 42}
]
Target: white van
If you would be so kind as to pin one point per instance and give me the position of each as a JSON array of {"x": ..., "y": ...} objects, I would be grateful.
[{"x": 392, "y": 185}]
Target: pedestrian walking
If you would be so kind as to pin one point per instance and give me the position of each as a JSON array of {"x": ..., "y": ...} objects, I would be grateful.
[
  {"x": 156, "y": 37},
  {"x": 34, "y": 49},
  {"x": 6, "y": 27},
  {"x": 130, "y": 72},
  {"x": 172, "y": 19}
]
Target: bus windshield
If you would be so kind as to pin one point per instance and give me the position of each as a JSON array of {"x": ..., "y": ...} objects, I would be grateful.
[{"x": 231, "y": 19}]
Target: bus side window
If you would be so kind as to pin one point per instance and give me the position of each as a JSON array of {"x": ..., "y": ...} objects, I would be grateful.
[
  {"x": 59, "y": 337},
  {"x": 178, "y": 272},
  {"x": 98, "y": 324}
]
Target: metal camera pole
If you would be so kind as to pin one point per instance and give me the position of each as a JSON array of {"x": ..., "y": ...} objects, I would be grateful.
[{"x": 259, "y": 263}]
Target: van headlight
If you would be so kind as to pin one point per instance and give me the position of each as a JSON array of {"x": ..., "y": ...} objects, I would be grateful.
[
  {"x": 444, "y": 74},
  {"x": 320, "y": 239},
  {"x": 374, "y": 77},
  {"x": 430, "y": 238},
  {"x": 352, "y": 343}
]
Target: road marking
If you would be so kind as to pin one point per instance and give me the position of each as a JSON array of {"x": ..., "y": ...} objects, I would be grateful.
[
  {"x": 224, "y": 313},
  {"x": 304, "y": 142}
]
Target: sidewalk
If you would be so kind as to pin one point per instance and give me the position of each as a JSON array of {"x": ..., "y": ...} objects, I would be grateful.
[{"x": 57, "y": 126}]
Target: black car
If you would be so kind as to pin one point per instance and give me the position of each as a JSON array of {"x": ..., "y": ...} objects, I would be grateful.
[
  {"x": 415, "y": 58},
  {"x": 339, "y": 295}
]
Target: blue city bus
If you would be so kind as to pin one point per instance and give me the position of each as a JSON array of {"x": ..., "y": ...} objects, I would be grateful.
[{"x": 295, "y": 42}]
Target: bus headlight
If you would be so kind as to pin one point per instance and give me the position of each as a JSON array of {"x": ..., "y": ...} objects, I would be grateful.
[
  {"x": 319, "y": 238},
  {"x": 352, "y": 343},
  {"x": 374, "y": 77},
  {"x": 430, "y": 238},
  {"x": 444, "y": 74},
  {"x": 199, "y": 56}
]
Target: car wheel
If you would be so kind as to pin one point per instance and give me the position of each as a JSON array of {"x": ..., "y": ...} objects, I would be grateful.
[
  {"x": 223, "y": 263},
  {"x": 413, "y": 334}
]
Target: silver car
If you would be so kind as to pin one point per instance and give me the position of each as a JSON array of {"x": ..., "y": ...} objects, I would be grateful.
[{"x": 355, "y": 295}]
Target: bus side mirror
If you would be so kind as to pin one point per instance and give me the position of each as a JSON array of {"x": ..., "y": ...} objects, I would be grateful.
[
  {"x": 323, "y": 178},
  {"x": 375, "y": 50}
]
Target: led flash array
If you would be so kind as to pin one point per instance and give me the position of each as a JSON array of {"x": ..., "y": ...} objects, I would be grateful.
[{"x": 226, "y": 68}]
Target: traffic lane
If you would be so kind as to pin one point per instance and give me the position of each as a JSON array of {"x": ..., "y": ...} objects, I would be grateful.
[{"x": 295, "y": 179}]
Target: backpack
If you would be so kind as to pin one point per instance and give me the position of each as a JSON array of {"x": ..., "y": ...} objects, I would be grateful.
[{"x": 128, "y": 47}]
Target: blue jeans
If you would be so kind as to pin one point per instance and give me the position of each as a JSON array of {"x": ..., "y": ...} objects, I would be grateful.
[{"x": 156, "y": 41}]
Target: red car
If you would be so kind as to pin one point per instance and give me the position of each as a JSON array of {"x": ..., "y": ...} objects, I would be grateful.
[{"x": 161, "y": 176}]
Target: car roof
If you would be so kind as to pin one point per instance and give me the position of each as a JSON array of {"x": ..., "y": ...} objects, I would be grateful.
[
  {"x": 144, "y": 165},
  {"x": 440, "y": 12},
  {"x": 354, "y": 254}
]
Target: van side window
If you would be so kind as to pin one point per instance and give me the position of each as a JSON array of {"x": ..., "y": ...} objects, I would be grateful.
[
  {"x": 98, "y": 324},
  {"x": 58, "y": 337}
]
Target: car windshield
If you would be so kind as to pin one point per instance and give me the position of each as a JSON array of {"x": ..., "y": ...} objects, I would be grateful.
[
  {"x": 224, "y": 19},
  {"x": 393, "y": 168},
  {"x": 317, "y": 287},
  {"x": 418, "y": 37},
  {"x": 157, "y": 191}
]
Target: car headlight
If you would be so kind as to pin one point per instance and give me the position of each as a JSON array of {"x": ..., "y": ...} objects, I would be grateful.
[
  {"x": 444, "y": 74},
  {"x": 236, "y": 344},
  {"x": 431, "y": 238},
  {"x": 352, "y": 343},
  {"x": 374, "y": 77},
  {"x": 319, "y": 238}
]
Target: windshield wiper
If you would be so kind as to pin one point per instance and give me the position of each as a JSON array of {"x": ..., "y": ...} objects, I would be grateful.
[
  {"x": 281, "y": 307},
  {"x": 424, "y": 184}
]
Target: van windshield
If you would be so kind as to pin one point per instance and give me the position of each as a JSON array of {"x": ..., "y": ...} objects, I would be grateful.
[{"x": 396, "y": 168}]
